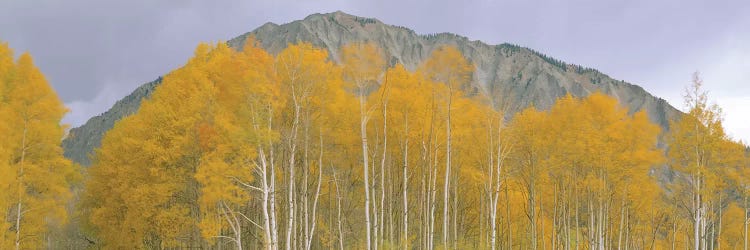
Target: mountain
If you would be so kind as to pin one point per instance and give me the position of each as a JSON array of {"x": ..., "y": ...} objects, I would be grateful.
[
  {"x": 84, "y": 139},
  {"x": 509, "y": 72}
]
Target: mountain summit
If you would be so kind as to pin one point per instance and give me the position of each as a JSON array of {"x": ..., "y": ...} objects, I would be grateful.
[{"x": 505, "y": 72}]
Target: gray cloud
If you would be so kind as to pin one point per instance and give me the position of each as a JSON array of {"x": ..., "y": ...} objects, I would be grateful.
[{"x": 95, "y": 52}]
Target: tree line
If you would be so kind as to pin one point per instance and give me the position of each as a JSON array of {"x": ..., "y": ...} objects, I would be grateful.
[{"x": 298, "y": 150}]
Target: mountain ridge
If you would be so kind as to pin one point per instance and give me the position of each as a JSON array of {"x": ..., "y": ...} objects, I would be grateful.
[{"x": 503, "y": 72}]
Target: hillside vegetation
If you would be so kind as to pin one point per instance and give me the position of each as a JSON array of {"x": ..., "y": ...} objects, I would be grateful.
[{"x": 249, "y": 150}]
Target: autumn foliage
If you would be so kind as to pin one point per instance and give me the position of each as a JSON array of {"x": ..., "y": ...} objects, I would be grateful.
[
  {"x": 243, "y": 149},
  {"x": 35, "y": 178}
]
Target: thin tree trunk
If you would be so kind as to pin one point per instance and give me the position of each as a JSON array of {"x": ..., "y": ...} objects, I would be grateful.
[
  {"x": 568, "y": 218},
  {"x": 697, "y": 217},
  {"x": 423, "y": 200},
  {"x": 674, "y": 234},
  {"x": 375, "y": 217},
  {"x": 272, "y": 201},
  {"x": 20, "y": 186},
  {"x": 554, "y": 218},
  {"x": 493, "y": 195},
  {"x": 305, "y": 183},
  {"x": 317, "y": 195},
  {"x": 423, "y": 228},
  {"x": 391, "y": 212},
  {"x": 406, "y": 184},
  {"x": 365, "y": 161},
  {"x": 266, "y": 216},
  {"x": 267, "y": 235},
  {"x": 338, "y": 208},
  {"x": 382, "y": 163},
  {"x": 532, "y": 213},
  {"x": 718, "y": 234},
  {"x": 747, "y": 221},
  {"x": 622, "y": 223},
  {"x": 455, "y": 214},
  {"x": 507, "y": 215},
  {"x": 627, "y": 230},
  {"x": 577, "y": 218},
  {"x": 711, "y": 239},
  {"x": 433, "y": 191},
  {"x": 592, "y": 220},
  {"x": 446, "y": 190},
  {"x": 234, "y": 224},
  {"x": 541, "y": 214},
  {"x": 292, "y": 163}
]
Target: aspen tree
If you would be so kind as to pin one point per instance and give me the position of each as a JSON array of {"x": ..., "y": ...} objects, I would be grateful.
[
  {"x": 35, "y": 178},
  {"x": 363, "y": 66},
  {"x": 694, "y": 141},
  {"x": 302, "y": 70},
  {"x": 446, "y": 65}
]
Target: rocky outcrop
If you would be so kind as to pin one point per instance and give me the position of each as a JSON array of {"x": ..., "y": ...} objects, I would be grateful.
[
  {"x": 82, "y": 141},
  {"x": 508, "y": 73}
]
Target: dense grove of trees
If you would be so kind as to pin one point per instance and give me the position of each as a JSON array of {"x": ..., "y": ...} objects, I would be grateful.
[{"x": 248, "y": 150}]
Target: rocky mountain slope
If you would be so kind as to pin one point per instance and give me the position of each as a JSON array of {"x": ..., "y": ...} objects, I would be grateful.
[
  {"x": 82, "y": 141},
  {"x": 506, "y": 72}
]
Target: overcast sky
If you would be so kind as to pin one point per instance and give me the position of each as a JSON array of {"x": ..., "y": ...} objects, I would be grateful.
[{"x": 95, "y": 52}]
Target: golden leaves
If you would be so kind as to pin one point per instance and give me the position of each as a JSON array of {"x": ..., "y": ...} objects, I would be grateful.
[{"x": 34, "y": 175}]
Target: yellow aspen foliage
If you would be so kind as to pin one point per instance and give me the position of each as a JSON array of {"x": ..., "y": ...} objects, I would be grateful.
[
  {"x": 471, "y": 139},
  {"x": 698, "y": 149},
  {"x": 6, "y": 67},
  {"x": 363, "y": 65},
  {"x": 588, "y": 150},
  {"x": 141, "y": 191},
  {"x": 249, "y": 150},
  {"x": 227, "y": 140},
  {"x": 733, "y": 228},
  {"x": 35, "y": 178},
  {"x": 448, "y": 66}
]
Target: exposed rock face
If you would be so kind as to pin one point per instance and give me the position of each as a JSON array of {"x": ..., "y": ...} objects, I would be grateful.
[
  {"x": 82, "y": 140},
  {"x": 505, "y": 72}
]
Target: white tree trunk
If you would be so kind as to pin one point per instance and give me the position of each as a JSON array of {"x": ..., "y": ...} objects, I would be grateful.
[
  {"x": 305, "y": 184},
  {"x": 406, "y": 185},
  {"x": 747, "y": 221},
  {"x": 267, "y": 242},
  {"x": 20, "y": 186},
  {"x": 555, "y": 219},
  {"x": 507, "y": 214},
  {"x": 697, "y": 210},
  {"x": 718, "y": 234},
  {"x": 532, "y": 213},
  {"x": 338, "y": 209},
  {"x": 365, "y": 161},
  {"x": 496, "y": 164},
  {"x": 424, "y": 197},
  {"x": 446, "y": 217},
  {"x": 373, "y": 192},
  {"x": 674, "y": 235},
  {"x": 269, "y": 222},
  {"x": 491, "y": 192},
  {"x": 272, "y": 203},
  {"x": 234, "y": 224},
  {"x": 493, "y": 212},
  {"x": 382, "y": 165},
  {"x": 292, "y": 153},
  {"x": 317, "y": 195}
]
